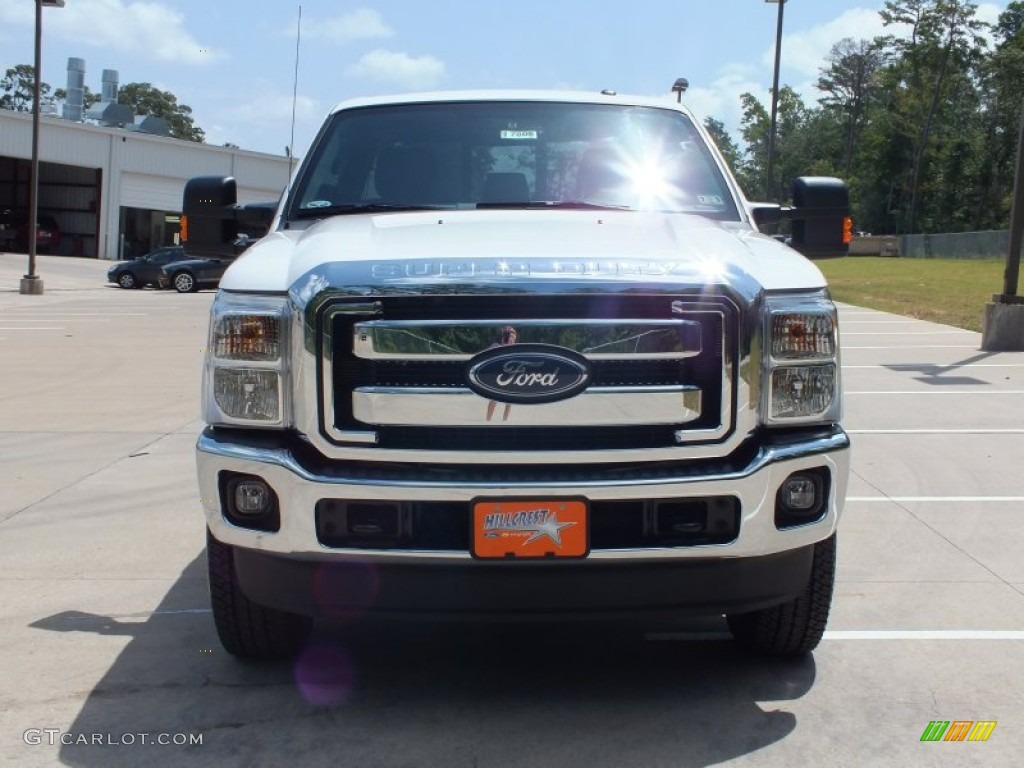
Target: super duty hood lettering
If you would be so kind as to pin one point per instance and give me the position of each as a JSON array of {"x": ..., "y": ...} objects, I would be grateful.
[
  {"x": 539, "y": 268},
  {"x": 526, "y": 276}
]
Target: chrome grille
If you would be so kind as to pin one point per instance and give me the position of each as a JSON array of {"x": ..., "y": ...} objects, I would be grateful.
[{"x": 397, "y": 379}]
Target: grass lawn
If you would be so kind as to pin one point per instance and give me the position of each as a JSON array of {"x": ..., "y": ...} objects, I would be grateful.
[{"x": 949, "y": 291}]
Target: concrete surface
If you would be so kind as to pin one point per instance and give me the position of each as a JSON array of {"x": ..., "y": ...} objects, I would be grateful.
[
  {"x": 1003, "y": 327},
  {"x": 106, "y": 631}
]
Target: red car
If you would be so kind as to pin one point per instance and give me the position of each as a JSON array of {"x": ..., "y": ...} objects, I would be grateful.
[{"x": 47, "y": 233}]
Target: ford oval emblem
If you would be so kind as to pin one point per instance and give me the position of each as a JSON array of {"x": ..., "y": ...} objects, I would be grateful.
[{"x": 528, "y": 373}]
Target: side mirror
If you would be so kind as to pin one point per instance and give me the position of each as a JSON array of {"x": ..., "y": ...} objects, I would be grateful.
[
  {"x": 820, "y": 217},
  {"x": 822, "y": 228},
  {"x": 214, "y": 224}
]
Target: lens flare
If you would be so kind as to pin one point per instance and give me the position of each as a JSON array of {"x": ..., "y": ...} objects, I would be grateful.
[
  {"x": 325, "y": 675},
  {"x": 346, "y": 590}
]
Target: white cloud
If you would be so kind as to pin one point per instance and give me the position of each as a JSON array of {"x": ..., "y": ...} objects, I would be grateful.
[
  {"x": 721, "y": 100},
  {"x": 805, "y": 51},
  {"x": 263, "y": 123},
  {"x": 411, "y": 72},
  {"x": 358, "y": 24},
  {"x": 989, "y": 12},
  {"x": 276, "y": 107},
  {"x": 140, "y": 27}
]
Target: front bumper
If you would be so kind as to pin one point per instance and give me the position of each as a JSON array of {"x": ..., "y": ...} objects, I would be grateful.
[
  {"x": 302, "y": 478},
  {"x": 291, "y": 570}
]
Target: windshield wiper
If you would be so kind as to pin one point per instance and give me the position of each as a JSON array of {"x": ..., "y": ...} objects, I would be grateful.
[
  {"x": 577, "y": 205},
  {"x": 347, "y": 208}
]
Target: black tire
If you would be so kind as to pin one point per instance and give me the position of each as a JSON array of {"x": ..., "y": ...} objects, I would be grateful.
[
  {"x": 248, "y": 630},
  {"x": 794, "y": 628},
  {"x": 127, "y": 280},
  {"x": 185, "y": 282}
]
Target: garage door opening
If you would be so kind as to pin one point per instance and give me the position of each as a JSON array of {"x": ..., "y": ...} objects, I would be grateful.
[{"x": 69, "y": 203}]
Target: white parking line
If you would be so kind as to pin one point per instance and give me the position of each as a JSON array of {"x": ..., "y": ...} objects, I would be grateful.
[
  {"x": 979, "y": 431},
  {"x": 31, "y": 328},
  {"x": 937, "y": 392},
  {"x": 940, "y": 499},
  {"x": 922, "y": 367},
  {"x": 924, "y": 634},
  {"x": 58, "y": 319},
  {"x": 866, "y": 634},
  {"x": 906, "y": 333}
]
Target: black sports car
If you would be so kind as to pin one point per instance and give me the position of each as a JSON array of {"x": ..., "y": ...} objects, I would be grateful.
[
  {"x": 144, "y": 270},
  {"x": 192, "y": 274}
]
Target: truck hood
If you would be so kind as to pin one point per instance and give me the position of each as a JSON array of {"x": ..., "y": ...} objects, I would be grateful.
[{"x": 689, "y": 249}]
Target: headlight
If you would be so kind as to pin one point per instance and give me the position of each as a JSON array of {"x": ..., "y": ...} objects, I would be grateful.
[
  {"x": 802, "y": 364},
  {"x": 246, "y": 372}
]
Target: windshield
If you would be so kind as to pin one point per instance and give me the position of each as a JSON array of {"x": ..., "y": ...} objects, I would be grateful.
[{"x": 510, "y": 154}]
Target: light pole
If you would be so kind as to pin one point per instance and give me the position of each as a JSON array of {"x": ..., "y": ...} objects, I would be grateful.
[
  {"x": 31, "y": 283},
  {"x": 769, "y": 182}
]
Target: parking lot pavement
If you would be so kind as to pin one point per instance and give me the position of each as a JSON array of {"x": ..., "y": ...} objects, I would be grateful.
[{"x": 107, "y": 635}]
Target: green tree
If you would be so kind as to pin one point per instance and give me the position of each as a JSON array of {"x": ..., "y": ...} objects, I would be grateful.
[
  {"x": 754, "y": 125},
  {"x": 1002, "y": 99},
  {"x": 724, "y": 141},
  {"x": 849, "y": 85},
  {"x": 797, "y": 149},
  {"x": 145, "y": 99},
  {"x": 17, "y": 86},
  {"x": 938, "y": 56},
  {"x": 921, "y": 123}
]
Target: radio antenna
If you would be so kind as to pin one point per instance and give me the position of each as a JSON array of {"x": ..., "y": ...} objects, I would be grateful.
[{"x": 295, "y": 96}]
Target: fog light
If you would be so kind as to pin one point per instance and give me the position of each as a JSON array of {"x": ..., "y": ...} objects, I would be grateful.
[
  {"x": 252, "y": 497},
  {"x": 800, "y": 493},
  {"x": 249, "y": 501},
  {"x": 803, "y": 497}
]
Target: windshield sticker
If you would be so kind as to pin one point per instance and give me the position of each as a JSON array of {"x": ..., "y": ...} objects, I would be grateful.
[
  {"x": 318, "y": 204},
  {"x": 710, "y": 199},
  {"x": 518, "y": 134}
]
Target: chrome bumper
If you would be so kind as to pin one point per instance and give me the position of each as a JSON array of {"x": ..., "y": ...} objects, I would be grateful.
[{"x": 299, "y": 489}]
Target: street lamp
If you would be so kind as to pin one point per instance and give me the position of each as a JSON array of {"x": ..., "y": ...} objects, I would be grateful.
[
  {"x": 31, "y": 283},
  {"x": 679, "y": 88},
  {"x": 770, "y": 173}
]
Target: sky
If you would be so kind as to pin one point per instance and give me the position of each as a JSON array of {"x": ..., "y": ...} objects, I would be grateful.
[{"x": 233, "y": 61}]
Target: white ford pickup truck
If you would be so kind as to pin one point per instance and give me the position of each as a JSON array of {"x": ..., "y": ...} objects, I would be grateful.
[{"x": 517, "y": 355}]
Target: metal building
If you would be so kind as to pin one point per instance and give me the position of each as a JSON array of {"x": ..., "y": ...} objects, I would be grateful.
[{"x": 115, "y": 191}]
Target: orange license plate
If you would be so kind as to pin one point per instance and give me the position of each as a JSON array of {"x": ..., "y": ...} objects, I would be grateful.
[{"x": 530, "y": 528}]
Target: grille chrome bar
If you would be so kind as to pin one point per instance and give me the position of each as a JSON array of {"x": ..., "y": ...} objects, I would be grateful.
[
  {"x": 598, "y": 406},
  {"x": 449, "y": 340}
]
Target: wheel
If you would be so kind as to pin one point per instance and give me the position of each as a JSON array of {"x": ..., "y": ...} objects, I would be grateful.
[
  {"x": 184, "y": 282},
  {"x": 794, "y": 628},
  {"x": 248, "y": 630},
  {"x": 127, "y": 280}
]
